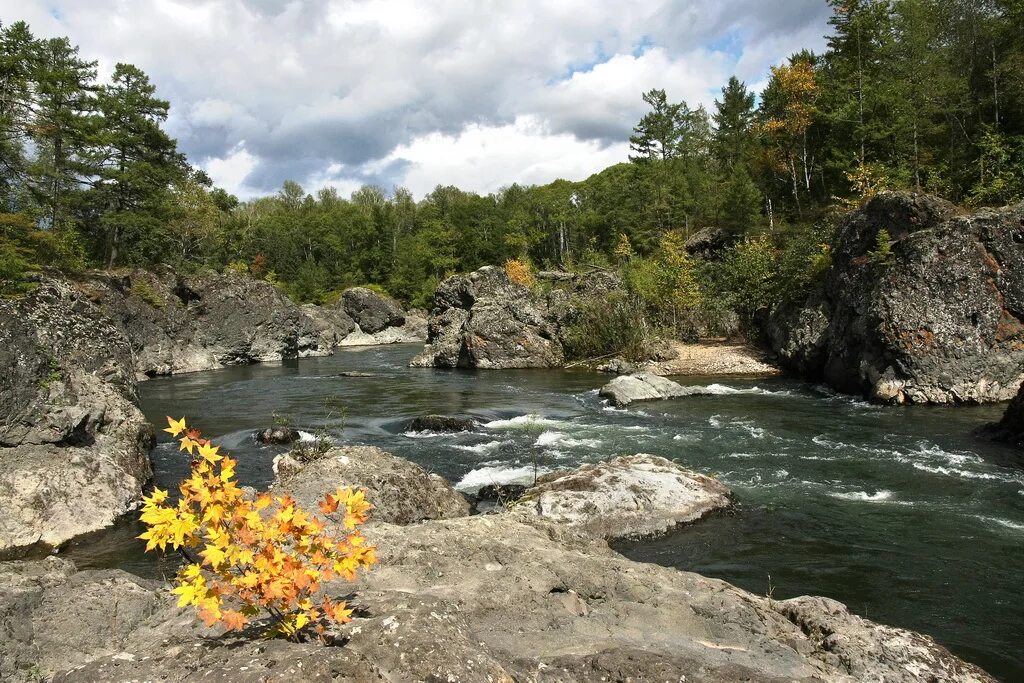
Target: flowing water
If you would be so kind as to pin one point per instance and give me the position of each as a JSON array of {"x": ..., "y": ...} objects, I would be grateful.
[{"x": 899, "y": 512}]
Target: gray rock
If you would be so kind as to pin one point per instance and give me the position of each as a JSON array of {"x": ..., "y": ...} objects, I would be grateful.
[
  {"x": 487, "y": 597},
  {"x": 634, "y": 495},
  {"x": 707, "y": 241},
  {"x": 443, "y": 423},
  {"x": 400, "y": 491},
  {"x": 941, "y": 322},
  {"x": 372, "y": 311},
  {"x": 642, "y": 386},
  {"x": 870, "y": 652},
  {"x": 617, "y": 366},
  {"x": 179, "y": 324},
  {"x": 73, "y": 445},
  {"x": 484, "y": 320}
]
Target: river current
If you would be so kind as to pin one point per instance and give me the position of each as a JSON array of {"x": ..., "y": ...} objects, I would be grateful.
[{"x": 897, "y": 511}]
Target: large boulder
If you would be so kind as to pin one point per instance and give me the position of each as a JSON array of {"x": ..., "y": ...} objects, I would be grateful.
[
  {"x": 939, "y": 320},
  {"x": 373, "y": 312},
  {"x": 643, "y": 386},
  {"x": 628, "y": 496},
  {"x": 401, "y": 492},
  {"x": 73, "y": 445},
  {"x": 484, "y": 320}
]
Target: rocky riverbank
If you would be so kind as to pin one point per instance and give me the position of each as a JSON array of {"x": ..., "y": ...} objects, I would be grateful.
[
  {"x": 510, "y": 596},
  {"x": 208, "y": 320},
  {"x": 73, "y": 444},
  {"x": 935, "y": 315}
]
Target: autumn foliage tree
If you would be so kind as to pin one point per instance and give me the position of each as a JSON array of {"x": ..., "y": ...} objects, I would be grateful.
[{"x": 249, "y": 554}]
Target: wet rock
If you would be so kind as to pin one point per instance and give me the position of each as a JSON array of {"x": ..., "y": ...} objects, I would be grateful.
[
  {"x": 443, "y": 423},
  {"x": 484, "y": 320},
  {"x": 73, "y": 445},
  {"x": 400, "y": 491},
  {"x": 277, "y": 436},
  {"x": 635, "y": 495},
  {"x": 642, "y": 386},
  {"x": 1011, "y": 428},
  {"x": 940, "y": 321},
  {"x": 373, "y": 312}
]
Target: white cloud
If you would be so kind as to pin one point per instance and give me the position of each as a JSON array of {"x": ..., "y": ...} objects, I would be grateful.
[
  {"x": 351, "y": 85},
  {"x": 487, "y": 158}
]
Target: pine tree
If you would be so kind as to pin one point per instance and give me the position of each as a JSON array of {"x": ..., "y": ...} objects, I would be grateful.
[
  {"x": 64, "y": 124},
  {"x": 138, "y": 164},
  {"x": 18, "y": 54},
  {"x": 733, "y": 117}
]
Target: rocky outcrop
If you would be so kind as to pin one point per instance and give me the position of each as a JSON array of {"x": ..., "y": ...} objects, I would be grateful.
[
  {"x": 484, "y": 320},
  {"x": 642, "y": 386},
  {"x": 474, "y": 599},
  {"x": 372, "y": 311},
  {"x": 73, "y": 445},
  {"x": 208, "y": 320},
  {"x": 939, "y": 319},
  {"x": 628, "y": 496},
  {"x": 401, "y": 492}
]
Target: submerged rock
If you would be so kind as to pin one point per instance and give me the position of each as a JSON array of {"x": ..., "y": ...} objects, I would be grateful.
[
  {"x": 401, "y": 492},
  {"x": 73, "y": 445},
  {"x": 443, "y": 423},
  {"x": 634, "y": 495},
  {"x": 484, "y": 320},
  {"x": 938, "y": 320}
]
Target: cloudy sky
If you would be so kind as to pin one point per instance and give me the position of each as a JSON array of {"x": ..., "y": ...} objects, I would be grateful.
[{"x": 426, "y": 92}]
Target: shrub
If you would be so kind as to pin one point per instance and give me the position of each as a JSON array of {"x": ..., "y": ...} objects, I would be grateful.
[
  {"x": 237, "y": 267},
  {"x": 520, "y": 272},
  {"x": 250, "y": 554},
  {"x": 614, "y": 325}
]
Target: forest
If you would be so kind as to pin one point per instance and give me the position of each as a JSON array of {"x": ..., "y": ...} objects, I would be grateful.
[{"x": 923, "y": 95}]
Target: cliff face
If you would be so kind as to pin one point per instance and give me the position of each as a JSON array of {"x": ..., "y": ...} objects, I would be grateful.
[
  {"x": 73, "y": 445},
  {"x": 937, "y": 320},
  {"x": 208, "y": 320}
]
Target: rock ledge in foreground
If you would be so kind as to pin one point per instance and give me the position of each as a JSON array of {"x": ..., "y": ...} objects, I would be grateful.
[{"x": 632, "y": 495}]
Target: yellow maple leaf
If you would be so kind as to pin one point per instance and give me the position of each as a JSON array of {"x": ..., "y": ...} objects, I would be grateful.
[
  {"x": 209, "y": 452},
  {"x": 176, "y": 426}
]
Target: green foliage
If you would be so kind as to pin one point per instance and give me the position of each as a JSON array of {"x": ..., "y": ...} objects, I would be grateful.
[
  {"x": 142, "y": 289},
  {"x": 611, "y": 326},
  {"x": 882, "y": 253},
  {"x": 750, "y": 276}
]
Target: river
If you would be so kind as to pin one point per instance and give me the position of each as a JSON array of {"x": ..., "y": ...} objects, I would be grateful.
[{"x": 897, "y": 511}]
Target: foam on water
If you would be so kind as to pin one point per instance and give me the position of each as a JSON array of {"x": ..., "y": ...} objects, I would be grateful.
[
  {"x": 1016, "y": 526},
  {"x": 864, "y": 496},
  {"x": 306, "y": 437},
  {"x": 482, "y": 476},
  {"x": 525, "y": 422},
  {"x": 481, "y": 448}
]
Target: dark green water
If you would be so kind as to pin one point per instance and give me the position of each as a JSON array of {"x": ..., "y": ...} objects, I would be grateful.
[{"x": 898, "y": 512}]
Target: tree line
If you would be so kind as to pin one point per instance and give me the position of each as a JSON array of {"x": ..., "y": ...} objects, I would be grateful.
[{"x": 909, "y": 94}]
